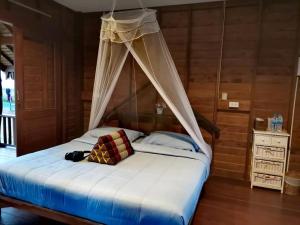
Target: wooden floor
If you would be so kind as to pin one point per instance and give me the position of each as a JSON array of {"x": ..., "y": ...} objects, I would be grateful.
[
  {"x": 234, "y": 203},
  {"x": 223, "y": 202}
]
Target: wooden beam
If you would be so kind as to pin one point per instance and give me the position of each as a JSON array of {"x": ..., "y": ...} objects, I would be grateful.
[
  {"x": 6, "y": 40},
  {"x": 10, "y": 48},
  {"x": 7, "y": 58},
  {"x": 2, "y": 67},
  {"x": 207, "y": 125},
  {"x": 9, "y": 28}
]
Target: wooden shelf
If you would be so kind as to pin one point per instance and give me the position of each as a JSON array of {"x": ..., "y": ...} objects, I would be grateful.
[
  {"x": 269, "y": 158},
  {"x": 268, "y": 172},
  {"x": 283, "y": 133}
]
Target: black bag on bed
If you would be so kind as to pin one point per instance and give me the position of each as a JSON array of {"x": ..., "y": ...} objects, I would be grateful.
[{"x": 76, "y": 156}]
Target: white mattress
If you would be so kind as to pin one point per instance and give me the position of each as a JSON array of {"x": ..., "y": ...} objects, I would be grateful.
[{"x": 156, "y": 185}]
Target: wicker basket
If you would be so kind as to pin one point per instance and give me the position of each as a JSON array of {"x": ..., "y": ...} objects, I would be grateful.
[
  {"x": 270, "y": 152},
  {"x": 292, "y": 183},
  {"x": 265, "y": 180},
  {"x": 268, "y": 166}
]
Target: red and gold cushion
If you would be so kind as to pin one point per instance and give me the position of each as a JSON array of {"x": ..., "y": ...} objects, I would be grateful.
[{"x": 111, "y": 149}]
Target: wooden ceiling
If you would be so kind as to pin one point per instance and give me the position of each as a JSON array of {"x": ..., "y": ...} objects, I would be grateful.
[{"x": 6, "y": 47}]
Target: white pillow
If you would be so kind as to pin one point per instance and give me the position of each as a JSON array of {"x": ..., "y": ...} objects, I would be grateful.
[
  {"x": 131, "y": 134},
  {"x": 171, "y": 139}
]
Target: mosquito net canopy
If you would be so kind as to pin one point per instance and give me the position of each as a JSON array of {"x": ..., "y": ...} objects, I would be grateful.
[{"x": 137, "y": 32}]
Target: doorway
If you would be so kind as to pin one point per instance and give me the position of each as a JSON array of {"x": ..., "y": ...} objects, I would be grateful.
[{"x": 7, "y": 92}]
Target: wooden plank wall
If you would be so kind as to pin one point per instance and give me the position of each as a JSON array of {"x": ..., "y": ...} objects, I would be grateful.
[
  {"x": 295, "y": 145},
  {"x": 38, "y": 100},
  {"x": 247, "y": 49},
  {"x": 274, "y": 81},
  {"x": 295, "y": 141},
  {"x": 72, "y": 70},
  {"x": 63, "y": 30},
  {"x": 237, "y": 72},
  {"x": 91, "y": 31}
]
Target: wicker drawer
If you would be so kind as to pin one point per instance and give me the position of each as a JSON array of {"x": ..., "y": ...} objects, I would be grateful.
[
  {"x": 266, "y": 180},
  {"x": 279, "y": 141},
  {"x": 263, "y": 140},
  {"x": 268, "y": 166},
  {"x": 270, "y": 152}
]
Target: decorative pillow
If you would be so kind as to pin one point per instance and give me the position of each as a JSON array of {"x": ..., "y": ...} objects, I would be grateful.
[
  {"x": 131, "y": 134},
  {"x": 111, "y": 149}
]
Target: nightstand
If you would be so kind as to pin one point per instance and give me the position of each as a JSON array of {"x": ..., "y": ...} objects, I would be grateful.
[{"x": 269, "y": 156}]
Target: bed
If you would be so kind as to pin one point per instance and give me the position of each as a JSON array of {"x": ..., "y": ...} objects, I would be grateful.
[{"x": 156, "y": 185}]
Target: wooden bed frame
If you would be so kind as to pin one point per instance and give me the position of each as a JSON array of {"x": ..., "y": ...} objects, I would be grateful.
[
  {"x": 44, "y": 212},
  {"x": 72, "y": 220}
]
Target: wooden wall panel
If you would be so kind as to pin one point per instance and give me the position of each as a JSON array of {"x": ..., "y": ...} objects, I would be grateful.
[
  {"x": 72, "y": 47},
  {"x": 144, "y": 102},
  {"x": 91, "y": 31},
  {"x": 72, "y": 115},
  {"x": 276, "y": 59},
  {"x": 122, "y": 92},
  {"x": 295, "y": 142},
  {"x": 37, "y": 105},
  {"x": 238, "y": 70},
  {"x": 39, "y": 89},
  {"x": 206, "y": 36},
  {"x": 62, "y": 80},
  {"x": 33, "y": 140},
  {"x": 295, "y": 145},
  {"x": 175, "y": 28},
  {"x": 204, "y": 58},
  {"x": 257, "y": 52},
  {"x": 231, "y": 147},
  {"x": 239, "y": 51}
]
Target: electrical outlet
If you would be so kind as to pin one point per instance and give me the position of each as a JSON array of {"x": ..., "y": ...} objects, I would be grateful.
[{"x": 234, "y": 105}]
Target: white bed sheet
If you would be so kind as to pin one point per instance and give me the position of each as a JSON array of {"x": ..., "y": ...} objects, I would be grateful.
[{"x": 156, "y": 185}]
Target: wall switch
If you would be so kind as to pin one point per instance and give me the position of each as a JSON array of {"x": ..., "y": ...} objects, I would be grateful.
[{"x": 234, "y": 105}]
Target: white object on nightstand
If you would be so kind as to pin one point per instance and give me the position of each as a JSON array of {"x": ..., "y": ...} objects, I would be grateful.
[{"x": 269, "y": 157}]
